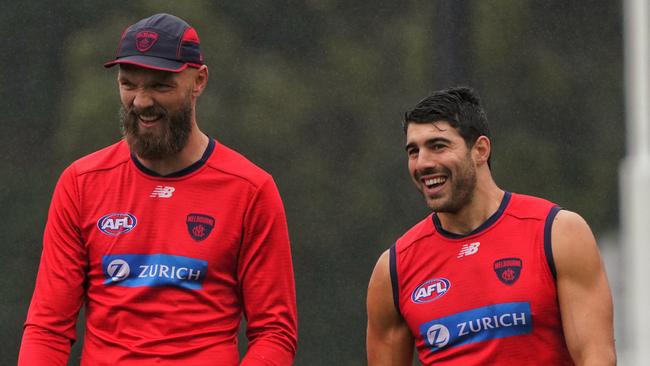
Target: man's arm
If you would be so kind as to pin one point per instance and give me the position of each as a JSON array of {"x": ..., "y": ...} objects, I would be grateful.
[
  {"x": 583, "y": 293},
  {"x": 389, "y": 340},
  {"x": 50, "y": 327},
  {"x": 265, "y": 272}
]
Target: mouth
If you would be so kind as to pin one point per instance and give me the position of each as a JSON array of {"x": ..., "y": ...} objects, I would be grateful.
[
  {"x": 433, "y": 184},
  {"x": 149, "y": 120}
]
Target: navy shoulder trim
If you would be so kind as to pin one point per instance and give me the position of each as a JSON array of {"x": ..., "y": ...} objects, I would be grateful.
[
  {"x": 489, "y": 222},
  {"x": 392, "y": 256},
  {"x": 548, "y": 249}
]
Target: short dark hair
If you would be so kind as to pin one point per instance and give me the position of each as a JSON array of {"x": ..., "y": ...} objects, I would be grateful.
[{"x": 459, "y": 106}]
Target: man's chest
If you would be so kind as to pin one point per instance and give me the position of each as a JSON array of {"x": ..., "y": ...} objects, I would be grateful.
[
  {"x": 486, "y": 281},
  {"x": 170, "y": 233}
]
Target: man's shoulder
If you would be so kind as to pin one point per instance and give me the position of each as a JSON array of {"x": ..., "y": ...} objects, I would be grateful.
[
  {"x": 103, "y": 159},
  {"x": 527, "y": 206},
  {"x": 231, "y": 162},
  {"x": 422, "y": 229}
]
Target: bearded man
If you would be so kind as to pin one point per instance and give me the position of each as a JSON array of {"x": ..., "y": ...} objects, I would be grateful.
[{"x": 167, "y": 237}]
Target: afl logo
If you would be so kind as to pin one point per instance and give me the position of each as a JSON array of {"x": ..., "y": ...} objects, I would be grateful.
[
  {"x": 118, "y": 270},
  {"x": 430, "y": 290},
  {"x": 116, "y": 223}
]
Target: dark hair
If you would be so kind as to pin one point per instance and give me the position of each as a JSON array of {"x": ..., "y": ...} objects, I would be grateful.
[{"x": 459, "y": 106}]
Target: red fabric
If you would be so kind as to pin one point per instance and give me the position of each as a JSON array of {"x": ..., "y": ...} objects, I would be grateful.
[
  {"x": 424, "y": 254},
  {"x": 146, "y": 66},
  {"x": 249, "y": 270},
  {"x": 190, "y": 35}
]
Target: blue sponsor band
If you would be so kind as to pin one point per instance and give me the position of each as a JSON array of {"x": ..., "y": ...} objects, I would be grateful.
[
  {"x": 477, "y": 325},
  {"x": 137, "y": 270}
]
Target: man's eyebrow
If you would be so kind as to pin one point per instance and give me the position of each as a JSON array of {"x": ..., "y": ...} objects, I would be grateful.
[
  {"x": 438, "y": 139},
  {"x": 166, "y": 77},
  {"x": 430, "y": 141},
  {"x": 157, "y": 78}
]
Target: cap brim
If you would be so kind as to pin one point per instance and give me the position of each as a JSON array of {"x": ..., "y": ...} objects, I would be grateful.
[{"x": 148, "y": 62}]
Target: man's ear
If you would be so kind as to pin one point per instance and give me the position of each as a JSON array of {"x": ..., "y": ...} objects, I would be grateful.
[
  {"x": 200, "y": 80},
  {"x": 481, "y": 150}
]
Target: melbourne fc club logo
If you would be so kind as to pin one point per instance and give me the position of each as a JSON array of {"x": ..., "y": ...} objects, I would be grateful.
[
  {"x": 199, "y": 226},
  {"x": 508, "y": 270},
  {"x": 145, "y": 40}
]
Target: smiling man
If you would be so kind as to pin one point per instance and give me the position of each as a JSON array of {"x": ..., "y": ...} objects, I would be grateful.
[
  {"x": 167, "y": 237},
  {"x": 490, "y": 277}
]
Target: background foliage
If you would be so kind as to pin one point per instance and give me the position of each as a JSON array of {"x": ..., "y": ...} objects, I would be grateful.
[{"x": 313, "y": 91}]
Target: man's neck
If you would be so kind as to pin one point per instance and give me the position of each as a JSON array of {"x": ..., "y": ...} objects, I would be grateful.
[
  {"x": 191, "y": 153},
  {"x": 485, "y": 202}
]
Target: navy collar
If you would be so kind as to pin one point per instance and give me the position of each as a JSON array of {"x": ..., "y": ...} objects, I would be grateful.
[
  {"x": 185, "y": 171},
  {"x": 491, "y": 220}
]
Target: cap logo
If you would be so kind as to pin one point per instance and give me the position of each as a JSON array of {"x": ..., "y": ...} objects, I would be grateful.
[{"x": 145, "y": 40}]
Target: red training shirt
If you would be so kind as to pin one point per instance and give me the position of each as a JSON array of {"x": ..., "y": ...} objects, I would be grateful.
[{"x": 166, "y": 266}]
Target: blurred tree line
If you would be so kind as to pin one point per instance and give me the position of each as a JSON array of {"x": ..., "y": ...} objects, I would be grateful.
[{"x": 314, "y": 92}]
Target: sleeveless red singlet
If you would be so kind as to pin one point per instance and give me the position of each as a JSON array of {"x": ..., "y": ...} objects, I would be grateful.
[{"x": 485, "y": 298}]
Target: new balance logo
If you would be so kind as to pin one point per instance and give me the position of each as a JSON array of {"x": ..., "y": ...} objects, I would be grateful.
[
  {"x": 162, "y": 192},
  {"x": 468, "y": 249}
]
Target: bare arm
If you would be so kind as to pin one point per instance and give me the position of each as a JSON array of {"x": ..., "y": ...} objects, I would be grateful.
[
  {"x": 389, "y": 340},
  {"x": 583, "y": 293}
]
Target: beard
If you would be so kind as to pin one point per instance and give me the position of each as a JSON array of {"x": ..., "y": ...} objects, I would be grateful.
[
  {"x": 167, "y": 140},
  {"x": 463, "y": 184}
]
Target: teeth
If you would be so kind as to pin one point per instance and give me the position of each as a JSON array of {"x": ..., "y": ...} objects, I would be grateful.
[
  {"x": 436, "y": 180},
  {"x": 148, "y": 118}
]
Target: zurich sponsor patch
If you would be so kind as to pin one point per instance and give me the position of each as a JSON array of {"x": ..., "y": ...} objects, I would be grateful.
[
  {"x": 137, "y": 270},
  {"x": 477, "y": 325},
  {"x": 430, "y": 290},
  {"x": 508, "y": 270},
  {"x": 199, "y": 226},
  {"x": 116, "y": 223}
]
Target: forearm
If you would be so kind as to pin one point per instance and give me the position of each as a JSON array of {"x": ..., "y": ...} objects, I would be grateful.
[
  {"x": 267, "y": 353},
  {"x": 604, "y": 356},
  {"x": 40, "y": 347},
  {"x": 598, "y": 361},
  {"x": 272, "y": 331}
]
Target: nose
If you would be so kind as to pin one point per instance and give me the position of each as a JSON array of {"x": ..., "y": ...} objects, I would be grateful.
[
  {"x": 142, "y": 100},
  {"x": 425, "y": 160}
]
